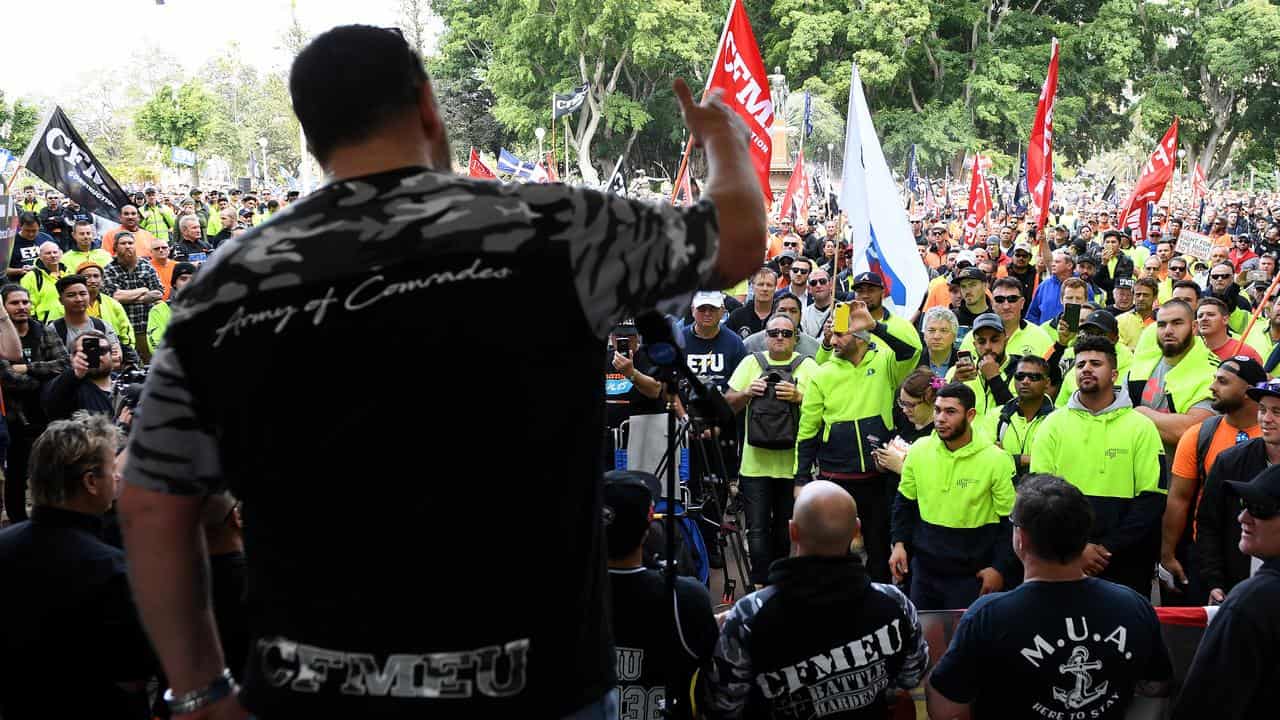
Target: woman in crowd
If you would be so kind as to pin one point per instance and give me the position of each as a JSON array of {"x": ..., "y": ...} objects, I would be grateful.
[{"x": 912, "y": 418}]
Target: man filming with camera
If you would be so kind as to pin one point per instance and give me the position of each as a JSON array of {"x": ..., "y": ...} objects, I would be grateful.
[{"x": 86, "y": 385}]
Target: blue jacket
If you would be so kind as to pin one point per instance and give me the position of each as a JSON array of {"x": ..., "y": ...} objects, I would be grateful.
[{"x": 1047, "y": 302}]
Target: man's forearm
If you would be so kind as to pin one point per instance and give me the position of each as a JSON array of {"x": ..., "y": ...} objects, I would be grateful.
[
  {"x": 733, "y": 188},
  {"x": 10, "y": 343},
  {"x": 1173, "y": 425},
  {"x": 169, "y": 573},
  {"x": 129, "y": 296}
]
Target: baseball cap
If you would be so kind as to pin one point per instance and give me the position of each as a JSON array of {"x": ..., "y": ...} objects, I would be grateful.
[
  {"x": 182, "y": 268},
  {"x": 1103, "y": 320},
  {"x": 88, "y": 264},
  {"x": 708, "y": 297},
  {"x": 967, "y": 256},
  {"x": 1245, "y": 368},
  {"x": 969, "y": 273},
  {"x": 788, "y": 254},
  {"x": 1022, "y": 247},
  {"x": 1263, "y": 489},
  {"x": 1090, "y": 259},
  {"x": 1266, "y": 388},
  {"x": 627, "y": 508},
  {"x": 868, "y": 278},
  {"x": 150, "y": 191},
  {"x": 988, "y": 320},
  {"x": 1124, "y": 282}
]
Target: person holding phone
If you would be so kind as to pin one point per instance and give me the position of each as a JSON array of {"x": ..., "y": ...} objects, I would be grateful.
[{"x": 86, "y": 385}]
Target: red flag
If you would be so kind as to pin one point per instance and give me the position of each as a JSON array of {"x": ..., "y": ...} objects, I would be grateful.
[
  {"x": 1198, "y": 184},
  {"x": 979, "y": 201},
  {"x": 1155, "y": 176},
  {"x": 477, "y": 169},
  {"x": 795, "y": 204},
  {"x": 738, "y": 71},
  {"x": 683, "y": 195},
  {"x": 1040, "y": 149},
  {"x": 549, "y": 165}
]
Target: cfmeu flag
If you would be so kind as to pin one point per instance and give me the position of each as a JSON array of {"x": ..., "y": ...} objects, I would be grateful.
[
  {"x": 59, "y": 156},
  {"x": 1040, "y": 149},
  {"x": 1155, "y": 176},
  {"x": 882, "y": 238},
  {"x": 738, "y": 71},
  {"x": 795, "y": 204},
  {"x": 979, "y": 201},
  {"x": 1198, "y": 185},
  {"x": 477, "y": 169}
]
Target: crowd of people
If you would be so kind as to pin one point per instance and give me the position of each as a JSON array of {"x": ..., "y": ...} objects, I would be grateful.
[{"x": 1075, "y": 427}]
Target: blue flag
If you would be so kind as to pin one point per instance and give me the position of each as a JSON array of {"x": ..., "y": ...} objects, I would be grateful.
[
  {"x": 509, "y": 163},
  {"x": 5, "y": 158},
  {"x": 913, "y": 172},
  {"x": 808, "y": 117},
  {"x": 1021, "y": 193}
]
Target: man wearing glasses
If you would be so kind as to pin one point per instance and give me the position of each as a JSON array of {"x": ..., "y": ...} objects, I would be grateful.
[
  {"x": 1223, "y": 563},
  {"x": 801, "y": 269},
  {"x": 1234, "y": 672},
  {"x": 816, "y": 313}
]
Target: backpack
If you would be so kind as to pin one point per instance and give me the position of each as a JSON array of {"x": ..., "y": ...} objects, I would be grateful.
[
  {"x": 60, "y": 328},
  {"x": 691, "y": 552},
  {"x": 772, "y": 424}
]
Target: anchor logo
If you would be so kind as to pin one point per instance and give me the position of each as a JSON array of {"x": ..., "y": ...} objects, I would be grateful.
[{"x": 1079, "y": 666}]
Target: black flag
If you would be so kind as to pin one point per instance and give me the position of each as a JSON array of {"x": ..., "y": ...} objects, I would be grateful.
[
  {"x": 567, "y": 104},
  {"x": 617, "y": 183},
  {"x": 1109, "y": 194},
  {"x": 59, "y": 156}
]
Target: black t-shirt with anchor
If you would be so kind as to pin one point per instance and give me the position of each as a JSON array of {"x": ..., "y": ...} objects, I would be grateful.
[{"x": 1054, "y": 650}]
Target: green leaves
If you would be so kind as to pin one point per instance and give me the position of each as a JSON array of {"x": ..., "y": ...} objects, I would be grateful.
[{"x": 180, "y": 117}]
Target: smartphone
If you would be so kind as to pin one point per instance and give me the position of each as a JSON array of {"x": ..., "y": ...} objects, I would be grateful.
[
  {"x": 1071, "y": 312},
  {"x": 964, "y": 356},
  {"x": 840, "y": 322},
  {"x": 623, "y": 346},
  {"x": 92, "y": 348}
]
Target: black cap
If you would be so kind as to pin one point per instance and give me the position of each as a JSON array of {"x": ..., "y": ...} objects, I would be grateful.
[
  {"x": 1245, "y": 368},
  {"x": 151, "y": 191},
  {"x": 1266, "y": 388},
  {"x": 987, "y": 320},
  {"x": 1263, "y": 489},
  {"x": 969, "y": 273},
  {"x": 180, "y": 269},
  {"x": 868, "y": 278},
  {"x": 1104, "y": 321},
  {"x": 1091, "y": 259},
  {"x": 628, "y": 506}
]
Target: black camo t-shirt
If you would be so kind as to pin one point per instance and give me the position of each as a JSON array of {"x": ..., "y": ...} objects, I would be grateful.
[{"x": 421, "y": 516}]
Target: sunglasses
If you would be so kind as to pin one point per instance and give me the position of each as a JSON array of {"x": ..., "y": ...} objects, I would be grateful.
[
  {"x": 1220, "y": 276},
  {"x": 1032, "y": 376},
  {"x": 817, "y": 282},
  {"x": 790, "y": 245},
  {"x": 1260, "y": 511},
  {"x": 780, "y": 332},
  {"x": 1002, "y": 299},
  {"x": 800, "y": 271},
  {"x": 1175, "y": 268}
]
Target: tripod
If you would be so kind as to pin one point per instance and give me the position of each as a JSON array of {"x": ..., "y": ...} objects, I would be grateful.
[{"x": 720, "y": 508}]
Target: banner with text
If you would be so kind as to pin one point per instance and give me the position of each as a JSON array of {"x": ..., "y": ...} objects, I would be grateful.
[{"x": 60, "y": 157}]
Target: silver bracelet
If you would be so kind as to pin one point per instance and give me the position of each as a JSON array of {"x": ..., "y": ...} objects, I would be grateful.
[{"x": 221, "y": 687}]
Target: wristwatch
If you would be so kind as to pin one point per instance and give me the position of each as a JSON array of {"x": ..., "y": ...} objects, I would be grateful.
[{"x": 221, "y": 687}]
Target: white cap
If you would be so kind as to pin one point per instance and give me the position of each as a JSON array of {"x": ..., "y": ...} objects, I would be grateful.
[
  {"x": 708, "y": 297},
  {"x": 967, "y": 256}
]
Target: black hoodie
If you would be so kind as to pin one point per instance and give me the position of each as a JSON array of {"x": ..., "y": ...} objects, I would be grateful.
[{"x": 821, "y": 641}]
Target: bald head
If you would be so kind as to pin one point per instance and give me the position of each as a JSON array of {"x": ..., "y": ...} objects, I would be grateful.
[{"x": 825, "y": 520}]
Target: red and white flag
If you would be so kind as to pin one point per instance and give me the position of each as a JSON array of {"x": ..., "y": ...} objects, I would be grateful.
[
  {"x": 1198, "y": 184},
  {"x": 930, "y": 200},
  {"x": 1155, "y": 176},
  {"x": 1040, "y": 149},
  {"x": 477, "y": 169},
  {"x": 739, "y": 72},
  {"x": 795, "y": 204},
  {"x": 979, "y": 201},
  {"x": 683, "y": 195}
]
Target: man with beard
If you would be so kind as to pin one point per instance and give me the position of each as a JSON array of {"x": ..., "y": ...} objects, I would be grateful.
[
  {"x": 952, "y": 510},
  {"x": 1115, "y": 261},
  {"x": 1099, "y": 323},
  {"x": 973, "y": 291},
  {"x": 1197, "y": 450},
  {"x": 1222, "y": 565},
  {"x": 1222, "y": 285},
  {"x": 134, "y": 284},
  {"x": 85, "y": 385},
  {"x": 44, "y": 357},
  {"x": 868, "y": 288},
  {"x": 1014, "y": 427},
  {"x": 1123, "y": 473},
  {"x": 989, "y": 377},
  {"x": 848, "y": 407},
  {"x": 1172, "y": 388},
  {"x": 1021, "y": 269},
  {"x": 1211, "y": 324}
]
